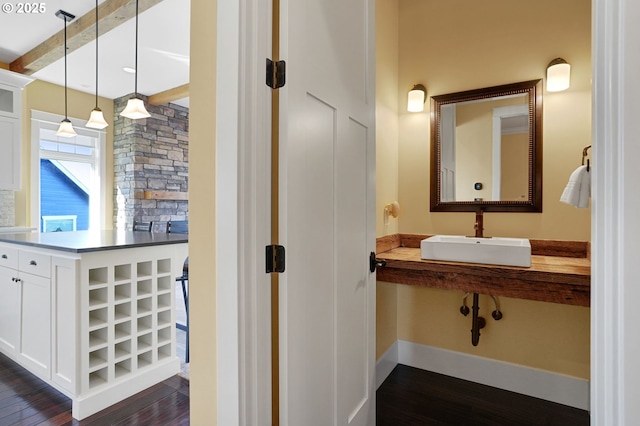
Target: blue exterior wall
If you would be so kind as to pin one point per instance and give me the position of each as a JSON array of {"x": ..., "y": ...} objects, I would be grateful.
[{"x": 59, "y": 195}]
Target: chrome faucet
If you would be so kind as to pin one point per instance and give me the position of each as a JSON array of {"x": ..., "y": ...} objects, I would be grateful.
[{"x": 479, "y": 225}]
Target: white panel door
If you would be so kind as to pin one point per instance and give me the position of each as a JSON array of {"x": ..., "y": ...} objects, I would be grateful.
[{"x": 327, "y": 224}]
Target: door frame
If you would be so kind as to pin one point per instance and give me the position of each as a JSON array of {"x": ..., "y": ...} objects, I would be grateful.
[
  {"x": 243, "y": 218},
  {"x": 612, "y": 397},
  {"x": 615, "y": 374}
]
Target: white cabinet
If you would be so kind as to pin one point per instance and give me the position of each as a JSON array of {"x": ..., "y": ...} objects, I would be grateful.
[
  {"x": 11, "y": 85},
  {"x": 10, "y": 137},
  {"x": 64, "y": 317},
  {"x": 25, "y": 309},
  {"x": 9, "y": 100},
  {"x": 98, "y": 326},
  {"x": 35, "y": 321},
  {"x": 34, "y": 275},
  {"x": 9, "y": 301},
  {"x": 9, "y": 311}
]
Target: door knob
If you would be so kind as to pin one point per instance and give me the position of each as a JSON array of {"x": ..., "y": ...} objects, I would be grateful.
[{"x": 376, "y": 263}]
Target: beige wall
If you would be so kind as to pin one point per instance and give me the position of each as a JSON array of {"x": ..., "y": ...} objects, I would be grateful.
[
  {"x": 547, "y": 336},
  {"x": 514, "y": 173},
  {"x": 458, "y": 45},
  {"x": 202, "y": 213},
  {"x": 386, "y": 112},
  {"x": 386, "y": 157},
  {"x": 42, "y": 96}
]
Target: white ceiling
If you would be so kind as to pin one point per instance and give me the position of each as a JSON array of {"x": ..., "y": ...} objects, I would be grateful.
[{"x": 163, "y": 48}]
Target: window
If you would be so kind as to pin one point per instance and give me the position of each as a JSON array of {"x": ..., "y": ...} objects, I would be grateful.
[
  {"x": 67, "y": 176},
  {"x": 59, "y": 223}
]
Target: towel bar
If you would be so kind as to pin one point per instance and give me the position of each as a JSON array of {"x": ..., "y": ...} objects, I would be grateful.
[{"x": 584, "y": 154}]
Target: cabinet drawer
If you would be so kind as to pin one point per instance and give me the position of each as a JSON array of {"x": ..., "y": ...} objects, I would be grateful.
[
  {"x": 9, "y": 257},
  {"x": 35, "y": 263}
]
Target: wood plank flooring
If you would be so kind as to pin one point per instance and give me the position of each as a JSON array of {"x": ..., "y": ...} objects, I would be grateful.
[
  {"x": 409, "y": 397},
  {"x": 26, "y": 400},
  {"x": 414, "y": 397}
]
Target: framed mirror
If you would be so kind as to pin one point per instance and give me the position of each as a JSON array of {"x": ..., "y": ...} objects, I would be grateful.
[{"x": 486, "y": 149}]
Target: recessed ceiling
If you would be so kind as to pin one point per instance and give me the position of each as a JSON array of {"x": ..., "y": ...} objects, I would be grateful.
[{"x": 163, "y": 49}]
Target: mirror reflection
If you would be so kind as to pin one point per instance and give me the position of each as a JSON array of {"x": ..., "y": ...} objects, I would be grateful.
[{"x": 486, "y": 149}]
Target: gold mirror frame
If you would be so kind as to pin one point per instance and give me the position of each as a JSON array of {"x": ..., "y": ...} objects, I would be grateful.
[{"x": 534, "y": 202}]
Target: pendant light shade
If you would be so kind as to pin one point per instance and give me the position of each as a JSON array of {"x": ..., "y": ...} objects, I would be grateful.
[
  {"x": 96, "y": 119},
  {"x": 135, "y": 107},
  {"x": 66, "y": 128}
]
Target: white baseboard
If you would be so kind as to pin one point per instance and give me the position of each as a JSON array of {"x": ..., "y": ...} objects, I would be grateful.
[
  {"x": 542, "y": 384},
  {"x": 386, "y": 364}
]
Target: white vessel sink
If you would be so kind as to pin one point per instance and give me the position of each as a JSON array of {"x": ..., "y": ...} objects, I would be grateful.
[{"x": 493, "y": 251}]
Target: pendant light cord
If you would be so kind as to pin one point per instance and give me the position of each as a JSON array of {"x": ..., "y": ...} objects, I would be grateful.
[
  {"x": 96, "y": 54},
  {"x": 136, "y": 64},
  {"x": 66, "y": 117}
]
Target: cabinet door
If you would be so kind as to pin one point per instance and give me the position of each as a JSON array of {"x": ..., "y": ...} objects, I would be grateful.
[
  {"x": 35, "y": 318},
  {"x": 9, "y": 100},
  {"x": 10, "y": 158},
  {"x": 9, "y": 311},
  {"x": 64, "y": 314}
]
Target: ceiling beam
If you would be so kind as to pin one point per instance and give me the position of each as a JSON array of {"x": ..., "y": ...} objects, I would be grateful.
[
  {"x": 170, "y": 95},
  {"x": 111, "y": 13}
]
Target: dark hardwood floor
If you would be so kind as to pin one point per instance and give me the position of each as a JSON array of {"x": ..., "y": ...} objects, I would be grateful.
[
  {"x": 26, "y": 400},
  {"x": 409, "y": 397},
  {"x": 414, "y": 397}
]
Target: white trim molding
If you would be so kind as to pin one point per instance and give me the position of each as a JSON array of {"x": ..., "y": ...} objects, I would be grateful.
[
  {"x": 615, "y": 343},
  {"x": 555, "y": 387},
  {"x": 386, "y": 363},
  {"x": 243, "y": 198}
]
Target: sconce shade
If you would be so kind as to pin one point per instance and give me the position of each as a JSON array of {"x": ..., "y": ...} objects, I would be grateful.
[
  {"x": 135, "y": 109},
  {"x": 416, "y": 98},
  {"x": 66, "y": 129},
  {"x": 96, "y": 119},
  {"x": 558, "y": 75}
]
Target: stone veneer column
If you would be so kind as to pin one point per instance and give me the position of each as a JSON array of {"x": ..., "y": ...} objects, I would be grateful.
[{"x": 150, "y": 154}]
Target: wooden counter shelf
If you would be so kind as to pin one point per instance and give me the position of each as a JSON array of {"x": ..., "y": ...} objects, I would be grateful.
[{"x": 560, "y": 271}]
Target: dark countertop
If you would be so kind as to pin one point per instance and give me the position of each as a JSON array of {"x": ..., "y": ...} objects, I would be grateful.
[{"x": 87, "y": 241}]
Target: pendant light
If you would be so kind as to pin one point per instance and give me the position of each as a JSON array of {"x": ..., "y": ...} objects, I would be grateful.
[
  {"x": 66, "y": 128},
  {"x": 135, "y": 107},
  {"x": 96, "y": 119}
]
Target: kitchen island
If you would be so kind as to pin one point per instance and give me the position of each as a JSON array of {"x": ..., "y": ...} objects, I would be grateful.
[{"x": 91, "y": 313}]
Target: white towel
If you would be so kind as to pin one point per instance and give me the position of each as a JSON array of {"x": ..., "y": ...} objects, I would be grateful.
[{"x": 578, "y": 190}]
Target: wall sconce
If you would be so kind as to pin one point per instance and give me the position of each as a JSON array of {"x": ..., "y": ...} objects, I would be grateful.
[
  {"x": 558, "y": 75},
  {"x": 392, "y": 210},
  {"x": 416, "y": 99}
]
